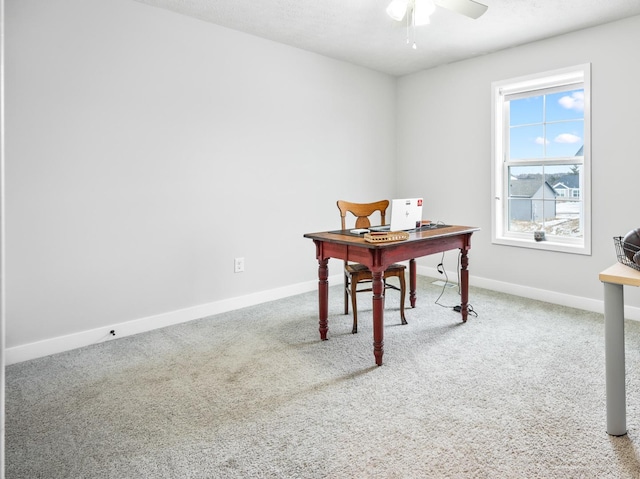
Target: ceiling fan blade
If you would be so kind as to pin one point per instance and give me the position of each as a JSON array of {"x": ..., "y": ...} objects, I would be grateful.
[
  {"x": 397, "y": 9},
  {"x": 465, "y": 7}
]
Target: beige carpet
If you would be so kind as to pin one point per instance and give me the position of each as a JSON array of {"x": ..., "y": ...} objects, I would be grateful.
[{"x": 517, "y": 392}]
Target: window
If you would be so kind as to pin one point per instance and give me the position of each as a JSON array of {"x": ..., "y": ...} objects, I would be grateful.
[{"x": 541, "y": 161}]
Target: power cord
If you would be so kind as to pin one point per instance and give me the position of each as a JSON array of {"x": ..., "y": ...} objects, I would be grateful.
[{"x": 458, "y": 307}]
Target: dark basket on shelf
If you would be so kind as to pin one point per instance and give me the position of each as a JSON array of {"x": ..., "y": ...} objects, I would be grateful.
[{"x": 624, "y": 250}]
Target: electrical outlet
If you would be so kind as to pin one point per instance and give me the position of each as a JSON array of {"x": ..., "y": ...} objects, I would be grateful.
[{"x": 238, "y": 265}]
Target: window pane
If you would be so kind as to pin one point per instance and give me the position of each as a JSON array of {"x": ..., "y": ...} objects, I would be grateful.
[
  {"x": 545, "y": 198},
  {"x": 525, "y": 181},
  {"x": 567, "y": 175},
  {"x": 526, "y": 191},
  {"x": 520, "y": 216},
  {"x": 567, "y": 105},
  {"x": 567, "y": 179},
  {"x": 569, "y": 218},
  {"x": 526, "y": 111},
  {"x": 520, "y": 172},
  {"x": 565, "y": 139},
  {"x": 526, "y": 142}
]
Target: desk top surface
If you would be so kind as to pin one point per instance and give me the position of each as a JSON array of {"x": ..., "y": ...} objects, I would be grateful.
[
  {"x": 620, "y": 274},
  {"x": 336, "y": 237}
]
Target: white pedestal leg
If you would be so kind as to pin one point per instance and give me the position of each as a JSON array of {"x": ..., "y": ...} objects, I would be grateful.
[{"x": 614, "y": 359}]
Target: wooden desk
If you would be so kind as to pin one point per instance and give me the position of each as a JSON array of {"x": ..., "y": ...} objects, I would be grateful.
[
  {"x": 614, "y": 278},
  {"x": 378, "y": 257}
]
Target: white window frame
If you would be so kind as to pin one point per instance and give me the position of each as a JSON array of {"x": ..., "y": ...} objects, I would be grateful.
[{"x": 580, "y": 74}]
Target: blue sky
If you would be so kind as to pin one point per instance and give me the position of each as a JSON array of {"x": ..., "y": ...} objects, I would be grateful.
[{"x": 547, "y": 126}]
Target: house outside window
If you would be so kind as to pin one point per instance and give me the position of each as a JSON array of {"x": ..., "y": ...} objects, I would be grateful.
[{"x": 541, "y": 161}]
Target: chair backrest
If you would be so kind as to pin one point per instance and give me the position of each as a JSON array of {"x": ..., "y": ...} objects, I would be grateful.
[{"x": 362, "y": 212}]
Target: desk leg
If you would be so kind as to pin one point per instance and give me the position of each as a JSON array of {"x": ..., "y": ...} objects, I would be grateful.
[
  {"x": 323, "y": 297},
  {"x": 378, "y": 316},
  {"x": 412, "y": 282},
  {"x": 464, "y": 284},
  {"x": 614, "y": 359}
]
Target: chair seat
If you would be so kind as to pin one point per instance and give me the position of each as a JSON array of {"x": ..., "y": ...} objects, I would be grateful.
[
  {"x": 356, "y": 268},
  {"x": 359, "y": 273}
]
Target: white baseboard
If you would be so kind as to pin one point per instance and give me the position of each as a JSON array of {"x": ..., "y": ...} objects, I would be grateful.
[
  {"x": 60, "y": 344},
  {"x": 578, "y": 302}
]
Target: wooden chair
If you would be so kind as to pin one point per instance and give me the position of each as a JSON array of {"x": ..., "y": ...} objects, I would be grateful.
[{"x": 355, "y": 273}]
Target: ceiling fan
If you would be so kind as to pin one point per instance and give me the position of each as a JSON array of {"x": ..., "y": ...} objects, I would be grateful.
[{"x": 419, "y": 11}]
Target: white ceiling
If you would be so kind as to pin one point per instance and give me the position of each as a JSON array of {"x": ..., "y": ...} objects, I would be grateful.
[{"x": 360, "y": 32}]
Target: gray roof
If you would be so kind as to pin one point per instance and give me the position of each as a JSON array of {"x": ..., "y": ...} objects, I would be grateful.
[
  {"x": 569, "y": 181},
  {"x": 526, "y": 188}
]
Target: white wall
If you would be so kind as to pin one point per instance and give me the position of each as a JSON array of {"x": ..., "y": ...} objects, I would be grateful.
[
  {"x": 145, "y": 150},
  {"x": 444, "y": 145},
  {"x": 141, "y": 145}
]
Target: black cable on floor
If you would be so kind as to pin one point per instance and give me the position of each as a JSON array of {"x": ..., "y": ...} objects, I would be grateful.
[{"x": 442, "y": 270}]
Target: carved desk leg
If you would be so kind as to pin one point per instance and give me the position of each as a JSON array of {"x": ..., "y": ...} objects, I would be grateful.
[
  {"x": 464, "y": 280},
  {"x": 412, "y": 282},
  {"x": 323, "y": 296},
  {"x": 378, "y": 316}
]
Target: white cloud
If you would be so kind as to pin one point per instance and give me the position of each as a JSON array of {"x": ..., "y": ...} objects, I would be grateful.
[
  {"x": 567, "y": 138},
  {"x": 573, "y": 102},
  {"x": 541, "y": 141}
]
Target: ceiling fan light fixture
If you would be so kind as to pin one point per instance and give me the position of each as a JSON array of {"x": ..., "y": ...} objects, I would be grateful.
[
  {"x": 397, "y": 9},
  {"x": 422, "y": 10}
]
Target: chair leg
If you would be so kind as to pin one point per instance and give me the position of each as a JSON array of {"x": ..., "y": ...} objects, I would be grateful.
[
  {"x": 403, "y": 291},
  {"x": 354, "y": 305},
  {"x": 346, "y": 293}
]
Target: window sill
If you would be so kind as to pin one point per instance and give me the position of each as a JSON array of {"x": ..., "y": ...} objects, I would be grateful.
[{"x": 545, "y": 245}]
